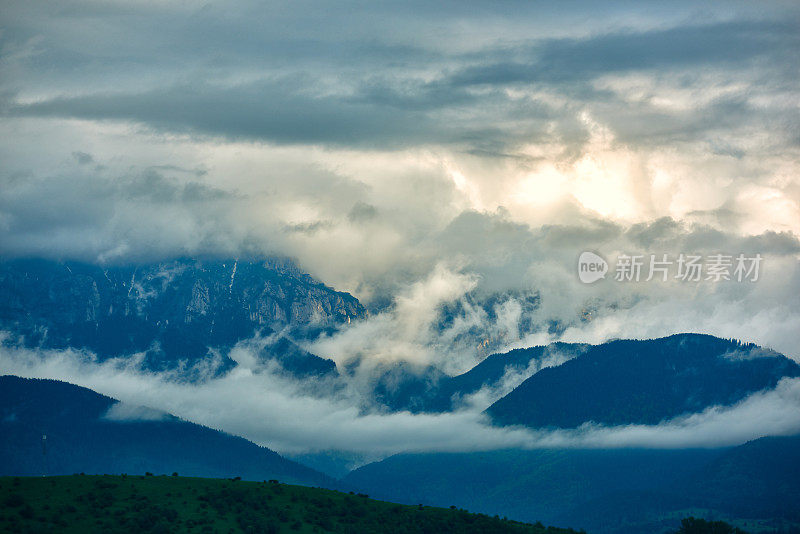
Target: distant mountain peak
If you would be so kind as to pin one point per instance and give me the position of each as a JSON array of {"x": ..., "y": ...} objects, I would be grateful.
[{"x": 174, "y": 310}]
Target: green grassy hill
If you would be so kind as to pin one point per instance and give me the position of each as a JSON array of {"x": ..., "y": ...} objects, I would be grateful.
[{"x": 179, "y": 504}]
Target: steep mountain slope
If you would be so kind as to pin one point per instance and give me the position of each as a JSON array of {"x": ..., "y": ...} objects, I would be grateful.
[
  {"x": 499, "y": 371},
  {"x": 756, "y": 485},
  {"x": 420, "y": 388},
  {"x": 525, "y": 485},
  {"x": 91, "y": 433},
  {"x": 628, "y": 381},
  {"x": 758, "y": 479},
  {"x": 604, "y": 491},
  {"x": 173, "y": 311}
]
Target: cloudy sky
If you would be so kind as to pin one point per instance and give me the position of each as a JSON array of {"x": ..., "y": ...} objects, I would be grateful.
[{"x": 416, "y": 153}]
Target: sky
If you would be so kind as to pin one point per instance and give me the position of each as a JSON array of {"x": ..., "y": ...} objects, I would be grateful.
[{"x": 421, "y": 155}]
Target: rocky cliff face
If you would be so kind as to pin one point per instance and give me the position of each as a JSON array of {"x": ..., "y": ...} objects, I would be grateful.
[{"x": 174, "y": 310}]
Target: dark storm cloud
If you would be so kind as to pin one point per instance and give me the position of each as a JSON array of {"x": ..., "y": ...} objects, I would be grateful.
[
  {"x": 571, "y": 65},
  {"x": 72, "y": 214},
  {"x": 287, "y": 112},
  {"x": 276, "y": 111},
  {"x": 362, "y": 212},
  {"x": 82, "y": 157},
  {"x": 571, "y": 60},
  {"x": 668, "y": 234},
  {"x": 352, "y": 90}
]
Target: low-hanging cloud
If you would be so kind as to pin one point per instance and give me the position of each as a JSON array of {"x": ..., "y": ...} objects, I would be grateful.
[
  {"x": 266, "y": 408},
  {"x": 124, "y": 412}
]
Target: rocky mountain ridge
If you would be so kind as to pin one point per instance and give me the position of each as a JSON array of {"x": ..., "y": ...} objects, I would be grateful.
[{"x": 175, "y": 310}]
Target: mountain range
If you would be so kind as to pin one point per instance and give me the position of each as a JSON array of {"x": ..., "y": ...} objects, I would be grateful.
[
  {"x": 608, "y": 491},
  {"x": 621, "y": 382},
  {"x": 187, "y": 311}
]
